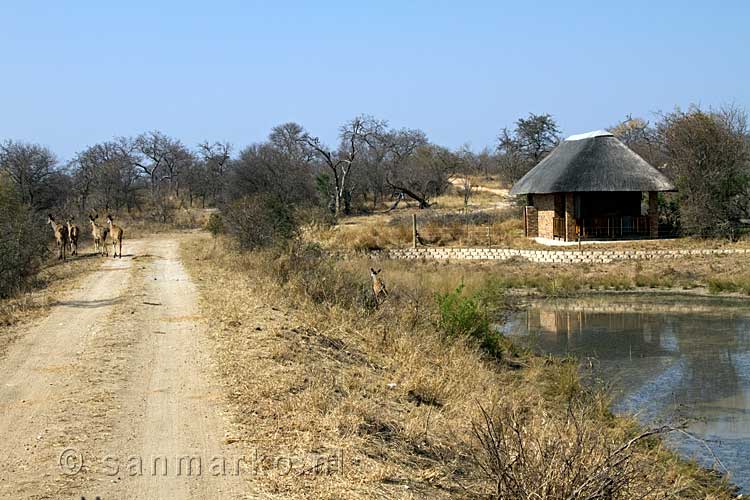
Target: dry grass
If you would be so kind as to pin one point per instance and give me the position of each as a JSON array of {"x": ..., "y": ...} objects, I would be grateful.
[
  {"x": 311, "y": 370},
  {"x": 498, "y": 228},
  {"x": 489, "y": 219},
  {"x": 479, "y": 200}
]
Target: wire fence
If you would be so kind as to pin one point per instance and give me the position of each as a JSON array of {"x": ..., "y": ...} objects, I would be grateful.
[
  {"x": 490, "y": 228},
  {"x": 503, "y": 227}
]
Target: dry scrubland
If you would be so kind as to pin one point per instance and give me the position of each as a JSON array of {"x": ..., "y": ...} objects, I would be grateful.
[
  {"x": 311, "y": 367},
  {"x": 411, "y": 396},
  {"x": 489, "y": 219}
]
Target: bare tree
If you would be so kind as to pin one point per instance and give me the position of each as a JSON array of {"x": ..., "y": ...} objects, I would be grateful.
[
  {"x": 415, "y": 167},
  {"x": 261, "y": 168},
  {"x": 468, "y": 164},
  {"x": 106, "y": 172},
  {"x": 288, "y": 139},
  {"x": 412, "y": 166},
  {"x": 30, "y": 167},
  {"x": 177, "y": 162},
  {"x": 84, "y": 177},
  {"x": 161, "y": 159},
  {"x": 157, "y": 157},
  {"x": 355, "y": 137},
  {"x": 210, "y": 172}
]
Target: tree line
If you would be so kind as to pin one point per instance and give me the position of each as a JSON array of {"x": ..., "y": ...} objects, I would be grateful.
[
  {"x": 154, "y": 173},
  {"x": 705, "y": 152}
]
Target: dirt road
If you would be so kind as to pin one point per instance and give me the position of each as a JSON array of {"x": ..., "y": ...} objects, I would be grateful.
[{"x": 114, "y": 393}]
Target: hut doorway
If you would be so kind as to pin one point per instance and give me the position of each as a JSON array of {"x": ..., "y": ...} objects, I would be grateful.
[{"x": 558, "y": 220}]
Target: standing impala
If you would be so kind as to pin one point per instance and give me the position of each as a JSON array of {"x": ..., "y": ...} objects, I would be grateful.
[
  {"x": 116, "y": 232},
  {"x": 99, "y": 233},
  {"x": 378, "y": 286},
  {"x": 61, "y": 236},
  {"x": 73, "y": 232}
]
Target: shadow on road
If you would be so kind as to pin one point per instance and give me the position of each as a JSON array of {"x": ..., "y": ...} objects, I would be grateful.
[{"x": 87, "y": 304}]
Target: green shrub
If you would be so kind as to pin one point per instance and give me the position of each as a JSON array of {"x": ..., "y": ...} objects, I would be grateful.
[
  {"x": 461, "y": 315},
  {"x": 465, "y": 316}
]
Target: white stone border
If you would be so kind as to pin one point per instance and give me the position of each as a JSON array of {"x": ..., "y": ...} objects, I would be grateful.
[{"x": 547, "y": 256}]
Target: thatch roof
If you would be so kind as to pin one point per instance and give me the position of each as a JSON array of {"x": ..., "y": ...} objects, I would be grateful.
[{"x": 595, "y": 161}]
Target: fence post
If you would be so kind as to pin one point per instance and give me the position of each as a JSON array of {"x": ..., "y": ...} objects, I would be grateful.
[
  {"x": 414, "y": 230},
  {"x": 489, "y": 237},
  {"x": 466, "y": 219}
]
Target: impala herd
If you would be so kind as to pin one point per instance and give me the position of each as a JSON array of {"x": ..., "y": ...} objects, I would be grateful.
[{"x": 66, "y": 236}]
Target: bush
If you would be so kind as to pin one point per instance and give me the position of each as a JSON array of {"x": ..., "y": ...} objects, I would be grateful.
[
  {"x": 215, "y": 225},
  {"x": 461, "y": 316},
  {"x": 709, "y": 156},
  {"x": 465, "y": 316},
  {"x": 23, "y": 242},
  {"x": 260, "y": 221},
  {"x": 538, "y": 454}
]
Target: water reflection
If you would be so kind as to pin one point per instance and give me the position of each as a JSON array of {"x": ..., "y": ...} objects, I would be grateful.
[{"x": 663, "y": 362}]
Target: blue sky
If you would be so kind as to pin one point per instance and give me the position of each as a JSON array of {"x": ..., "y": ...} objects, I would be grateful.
[{"x": 75, "y": 73}]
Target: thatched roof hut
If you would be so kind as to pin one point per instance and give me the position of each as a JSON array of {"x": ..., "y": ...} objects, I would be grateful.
[
  {"x": 596, "y": 161},
  {"x": 591, "y": 185}
]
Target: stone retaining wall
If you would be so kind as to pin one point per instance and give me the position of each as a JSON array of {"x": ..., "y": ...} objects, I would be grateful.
[{"x": 548, "y": 256}]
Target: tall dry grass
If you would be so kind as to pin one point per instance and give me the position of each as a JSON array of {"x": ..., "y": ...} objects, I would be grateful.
[
  {"x": 312, "y": 367},
  {"x": 497, "y": 228}
]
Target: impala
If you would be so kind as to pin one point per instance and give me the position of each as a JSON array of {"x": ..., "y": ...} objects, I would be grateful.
[
  {"x": 61, "y": 236},
  {"x": 73, "y": 232},
  {"x": 116, "y": 232},
  {"x": 378, "y": 286},
  {"x": 99, "y": 233}
]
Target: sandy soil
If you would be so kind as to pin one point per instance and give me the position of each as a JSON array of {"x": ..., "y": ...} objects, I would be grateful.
[
  {"x": 459, "y": 183},
  {"x": 114, "y": 393}
]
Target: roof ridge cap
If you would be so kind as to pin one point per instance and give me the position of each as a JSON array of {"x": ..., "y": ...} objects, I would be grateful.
[{"x": 590, "y": 135}]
